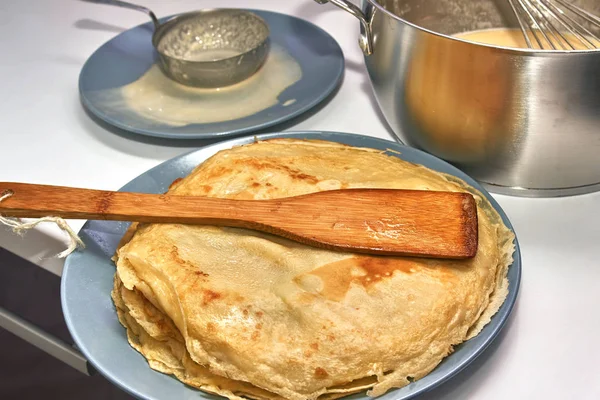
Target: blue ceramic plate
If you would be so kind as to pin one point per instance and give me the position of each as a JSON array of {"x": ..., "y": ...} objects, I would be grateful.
[
  {"x": 126, "y": 57},
  {"x": 88, "y": 279}
]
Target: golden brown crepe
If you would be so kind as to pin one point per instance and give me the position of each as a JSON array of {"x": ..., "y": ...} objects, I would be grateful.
[{"x": 246, "y": 314}]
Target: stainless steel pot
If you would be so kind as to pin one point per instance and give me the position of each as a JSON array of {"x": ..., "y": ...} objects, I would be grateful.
[{"x": 522, "y": 122}]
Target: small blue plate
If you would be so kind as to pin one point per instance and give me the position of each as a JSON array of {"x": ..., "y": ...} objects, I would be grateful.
[
  {"x": 87, "y": 281},
  {"x": 126, "y": 57}
]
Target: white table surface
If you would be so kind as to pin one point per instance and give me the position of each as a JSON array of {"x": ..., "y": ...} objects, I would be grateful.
[{"x": 549, "y": 348}]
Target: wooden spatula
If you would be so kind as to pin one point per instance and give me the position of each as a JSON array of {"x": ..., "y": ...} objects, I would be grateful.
[{"x": 376, "y": 221}]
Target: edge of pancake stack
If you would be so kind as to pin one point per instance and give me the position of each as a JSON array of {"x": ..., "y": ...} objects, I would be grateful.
[{"x": 244, "y": 314}]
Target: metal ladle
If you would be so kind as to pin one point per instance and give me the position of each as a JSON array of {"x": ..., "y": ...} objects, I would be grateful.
[{"x": 208, "y": 48}]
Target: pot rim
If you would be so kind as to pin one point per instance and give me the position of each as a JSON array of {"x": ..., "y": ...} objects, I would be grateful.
[{"x": 522, "y": 51}]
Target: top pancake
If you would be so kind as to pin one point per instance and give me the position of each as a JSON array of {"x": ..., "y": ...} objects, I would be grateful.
[{"x": 298, "y": 321}]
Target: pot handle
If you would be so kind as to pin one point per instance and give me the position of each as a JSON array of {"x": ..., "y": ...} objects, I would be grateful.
[{"x": 366, "y": 36}]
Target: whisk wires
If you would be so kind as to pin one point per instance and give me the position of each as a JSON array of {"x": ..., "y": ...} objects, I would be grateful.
[{"x": 553, "y": 24}]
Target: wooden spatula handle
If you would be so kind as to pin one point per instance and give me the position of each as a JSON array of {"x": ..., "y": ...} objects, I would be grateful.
[{"x": 33, "y": 201}]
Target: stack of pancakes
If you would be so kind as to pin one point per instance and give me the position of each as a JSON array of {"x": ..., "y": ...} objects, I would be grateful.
[{"x": 245, "y": 314}]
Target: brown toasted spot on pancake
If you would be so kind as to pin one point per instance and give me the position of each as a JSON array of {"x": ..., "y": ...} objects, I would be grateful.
[
  {"x": 255, "y": 184},
  {"x": 378, "y": 268},
  {"x": 175, "y": 255},
  {"x": 218, "y": 172},
  {"x": 256, "y": 333},
  {"x": 262, "y": 165},
  {"x": 206, "y": 188},
  {"x": 337, "y": 277},
  {"x": 320, "y": 373},
  {"x": 314, "y": 346},
  {"x": 259, "y": 314},
  {"x": 305, "y": 177},
  {"x": 175, "y": 182},
  {"x": 211, "y": 327},
  {"x": 209, "y": 296},
  {"x": 200, "y": 273},
  {"x": 269, "y": 184},
  {"x": 194, "y": 281},
  {"x": 183, "y": 263}
]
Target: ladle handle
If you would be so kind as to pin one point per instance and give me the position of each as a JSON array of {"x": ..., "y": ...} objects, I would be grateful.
[{"x": 130, "y": 6}]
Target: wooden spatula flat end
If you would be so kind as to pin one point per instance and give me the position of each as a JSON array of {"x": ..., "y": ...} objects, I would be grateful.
[{"x": 469, "y": 222}]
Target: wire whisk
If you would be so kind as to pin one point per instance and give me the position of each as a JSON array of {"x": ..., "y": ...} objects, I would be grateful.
[{"x": 556, "y": 25}]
